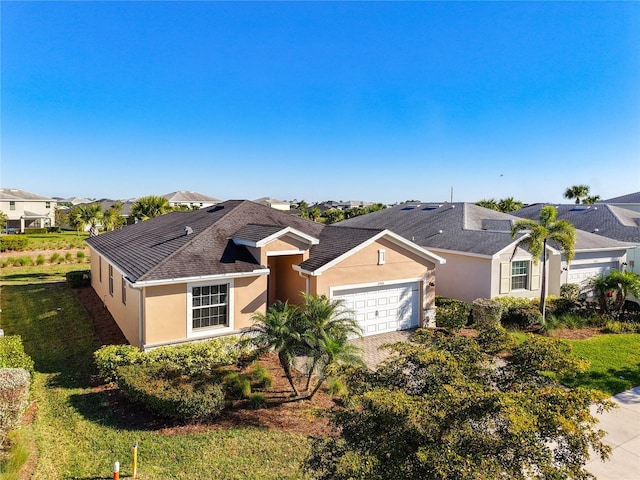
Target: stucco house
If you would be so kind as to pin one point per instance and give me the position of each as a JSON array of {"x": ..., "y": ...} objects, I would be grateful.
[
  {"x": 26, "y": 210},
  {"x": 193, "y": 275},
  {"x": 631, "y": 201},
  {"x": 482, "y": 259},
  {"x": 190, "y": 199}
]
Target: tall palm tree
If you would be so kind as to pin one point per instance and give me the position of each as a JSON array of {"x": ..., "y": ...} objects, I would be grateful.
[
  {"x": 112, "y": 218},
  {"x": 547, "y": 229},
  {"x": 86, "y": 215},
  {"x": 591, "y": 199},
  {"x": 279, "y": 330},
  {"x": 150, "y": 206},
  {"x": 489, "y": 203},
  {"x": 509, "y": 204},
  {"x": 577, "y": 192}
]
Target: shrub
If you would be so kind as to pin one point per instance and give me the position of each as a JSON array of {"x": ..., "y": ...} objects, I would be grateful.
[
  {"x": 560, "y": 305},
  {"x": 570, "y": 291},
  {"x": 486, "y": 313},
  {"x": 35, "y": 231},
  {"x": 256, "y": 401},
  {"x": 14, "y": 398},
  {"x": 23, "y": 261},
  {"x": 40, "y": 260},
  {"x": 236, "y": 385},
  {"x": 260, "y": 377},
  {"x": 519, "y": 313},
  {"x": 621, "y": 327},
  {"x": 68, "y": 257},
  {"x": 16, "y": 243},
  {"x": 494, "y": 339},
  {"x": 452, "y": 314},
  {"x": 167, "y": 391},
  {"x": 79, "y": 278},
  {"x": 80, "y": 256},
  {"x": 109, "y": 358},
  {"x": 12, "y": 354},
  {"x": 54, "y": 230},
  {"x": 54, "y": 258}
]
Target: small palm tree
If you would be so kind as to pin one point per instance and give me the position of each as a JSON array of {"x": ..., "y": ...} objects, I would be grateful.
[
  {"x": 86, "y": 215},
  {"x": 112, "y": 218},
  {"x": 546, "y": 229},
  {"x": 489, "y": 203},
  {"x": 150, "y": 206},
  {"x": 620, "y": 284},
  {"x": 577, "y": 192},
  {"x": 591, "y": 199},
  {"x": 278, "y": 330},
  {"x": 509, "y": 204}
]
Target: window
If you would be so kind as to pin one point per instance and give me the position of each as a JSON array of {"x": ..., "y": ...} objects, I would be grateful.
[
  {"x": 210, "y": 306},
  {"x": 381, "y": 257},
  {"x": 100, "y": 269},
  {"x": 111, "y": 280},
  {"x": 520, "y": 275},
  {"x": 47, "y": 204},
  {"x": 12, "y": 205},
  {"x": 124, "y": 291}
]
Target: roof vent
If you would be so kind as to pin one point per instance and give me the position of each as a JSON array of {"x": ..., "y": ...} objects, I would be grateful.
[
  {"x": 188, "y": 230},
  {"x": 410, "y": 207},
  {"x": 432, "y": 207}
]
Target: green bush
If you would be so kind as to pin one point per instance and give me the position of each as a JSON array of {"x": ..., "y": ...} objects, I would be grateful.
[
  {"x": 560, "y": 305},
  {"x": 621, "y": 327},
  {"x": 23, "y": 261},
  {"x": 167, "y": 391},
  {"x": 16, "y": 243},
  {"x": 452, "y": 314},
  {"x": 54, "y": 258},
  {"x": 14, "y": 398},
  {"x": 80, "y": 255},
  {"x": 109, "y": 358},
  {"x": 40, "y": 260},
  {"x": 486, "y": 313},
  {"x": 520, "y": 313},
  {"x": 494, "y": 339},
  {"x": 35, "y": 231},
  {"x": 54, "y": 230},
  {"x": 79, "y": 278},
  {"x": 12, "y": 354},
  {"x": 256, "y": 401},
  {"x": 68, "y": 257},
  {"x": 260, "y": 377},
  {"x": 570, "y": 291},
  {"x": 236, "y": 385}
]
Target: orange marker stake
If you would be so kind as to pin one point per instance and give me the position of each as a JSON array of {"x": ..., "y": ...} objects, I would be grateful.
[{"x": 116, "y": 471}]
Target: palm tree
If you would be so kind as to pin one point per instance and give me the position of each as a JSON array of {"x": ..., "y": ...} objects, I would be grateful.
[
  {"x": 86, "y": 215},
  {"x": 489, "y": 203},
  {"x": 577, "y": 192},
  {"x": 591, "y": 199},
  {"x": 112, "y": 218},
  {"x": 561, "y": 232},
  {"x": 150, "y": 206},
  {"x": 328, "y": 326},
  {"x": 278, "y": 330},
  {"x": 620, "y": 284},
  {"x": 509, "y": 204}
]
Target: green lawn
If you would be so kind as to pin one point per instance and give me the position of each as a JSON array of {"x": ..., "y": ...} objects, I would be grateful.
[
  {"x": 77, "y": 434},
  {"x": 615, "y": 362},
  {"x": 56, "y": 241}
]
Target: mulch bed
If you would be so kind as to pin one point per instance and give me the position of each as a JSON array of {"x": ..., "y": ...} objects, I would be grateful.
[{"x": 282, "y": 412}]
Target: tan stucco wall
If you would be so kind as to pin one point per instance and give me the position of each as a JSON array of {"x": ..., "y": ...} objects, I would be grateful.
[
  {"x": 463, "y": 277},
  {"x": 250, "y": 297},
  {"x": 284, "y": 281},
  {"x": 283, "y": 244},
  {"x": 165, "y": 313}
]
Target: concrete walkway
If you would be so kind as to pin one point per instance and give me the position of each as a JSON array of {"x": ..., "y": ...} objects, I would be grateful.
[{"x": 622, "y": 424}]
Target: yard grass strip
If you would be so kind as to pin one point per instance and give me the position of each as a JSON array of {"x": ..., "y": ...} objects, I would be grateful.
[{"x": 615, "y": 362}]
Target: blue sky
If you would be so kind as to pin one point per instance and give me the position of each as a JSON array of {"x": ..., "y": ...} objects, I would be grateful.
[{"x": 330, "y": 100}]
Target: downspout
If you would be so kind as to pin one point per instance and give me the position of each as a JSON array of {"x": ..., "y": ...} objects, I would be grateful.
[
  {"x": 306, "y": 281},
  {"x": 140, "y": 322}
]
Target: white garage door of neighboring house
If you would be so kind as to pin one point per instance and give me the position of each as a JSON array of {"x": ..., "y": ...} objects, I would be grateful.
[
  {"x": 382, "y": 309},
  {"x": 582, "y": 274}
]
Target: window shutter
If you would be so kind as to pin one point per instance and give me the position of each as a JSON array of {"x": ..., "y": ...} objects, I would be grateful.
[
  {"x": 535, "y": 276},
  {"x": 505, "y": 277}
]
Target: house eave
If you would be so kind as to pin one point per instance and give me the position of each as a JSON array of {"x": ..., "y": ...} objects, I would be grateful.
[{"x": 200, "y": 278}]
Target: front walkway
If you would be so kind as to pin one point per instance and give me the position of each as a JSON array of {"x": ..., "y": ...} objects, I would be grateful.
[{"x": 622, "y": 424}]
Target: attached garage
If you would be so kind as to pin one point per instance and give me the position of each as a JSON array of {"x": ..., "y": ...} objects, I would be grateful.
[
  {"x": 582, "y": 274},
  {"x": 383, "y": 308}
]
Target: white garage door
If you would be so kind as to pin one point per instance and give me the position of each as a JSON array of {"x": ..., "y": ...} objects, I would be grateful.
[
  {"x": 382, "y": 309},
  {"x": 582, "y": 274}
]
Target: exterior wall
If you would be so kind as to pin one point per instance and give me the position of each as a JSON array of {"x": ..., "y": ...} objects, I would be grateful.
[
  {"x": 633, "y": 259},
  {"x": 520, "y": 254},
  {"x": 464, "y": 277},
  {"x": 555, "y": 274},
  {"x": 38, "y": 207},
  {"x": 284, "y": 281},
  {"x": 125, "y": 316},
  {"x": 250, "y": 297}
]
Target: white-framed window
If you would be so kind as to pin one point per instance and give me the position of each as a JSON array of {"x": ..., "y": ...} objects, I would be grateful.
[
  {"x": 124, "y": 291},
  {"x": 520, "y": 274},
  {"x": 111, "y": 280},
  {"x": 12, "y": 205},
  {"x": 210, "y": 308},
  {"x": 381, "y": 256},
  {"x": 47, "y": 204}
]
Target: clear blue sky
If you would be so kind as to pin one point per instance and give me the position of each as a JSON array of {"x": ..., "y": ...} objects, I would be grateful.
[{"x": 316, "y": 101}]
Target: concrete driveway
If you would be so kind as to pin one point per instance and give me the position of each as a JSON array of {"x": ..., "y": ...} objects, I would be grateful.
[{"x": 622, "y": 424}]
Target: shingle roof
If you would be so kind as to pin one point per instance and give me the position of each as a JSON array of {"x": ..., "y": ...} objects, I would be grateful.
[
  {"x": 604, "y": 220},
  {"x": 159, "y": 249},
  {"x": 186, "y": 196},
  {"x": 16, "y": 194},
  {"x": 628, "y": 198}
]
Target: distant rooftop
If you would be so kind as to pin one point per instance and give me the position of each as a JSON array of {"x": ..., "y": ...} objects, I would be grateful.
[
  {"x": 187, "y": 196},
  {"x": 17, "y": 194},
  {"x": 628, "y": 198}
]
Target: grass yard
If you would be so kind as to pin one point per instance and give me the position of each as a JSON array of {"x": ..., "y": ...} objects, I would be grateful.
[
  {"x": 57, "y": 241},
  {"x": 615, "y": 362},
  {"x": 78, "y": 433}
]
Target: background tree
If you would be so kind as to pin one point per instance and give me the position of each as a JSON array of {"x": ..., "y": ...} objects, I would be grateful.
[
  {"x": 489, "y": 203},
  {"x": 3, "y": 220},
  {"x": 576, "y": 191},
  {"x": 591, "y": 199},
  {"x": 509, "y": 204},
  {"x": 150, "y": 206},
  {"x": 440, "y": 408},
  {"x": 621, "y": 284},
  {"x": 332, "y": 216},
  {"x": 547, "y": 229},
  {"x": 112, "y": 217},
  {"x": 83, "y": 216},
  {"x": 314, "y": 214}
]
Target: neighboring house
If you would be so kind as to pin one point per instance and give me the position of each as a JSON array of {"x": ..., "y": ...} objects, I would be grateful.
[
  {"x": 630, "y": 201},
  {"x": 274, "y": 203},
  {"x": 340, "y": 205},
  {"x": 482, "y": 259},
  {"x": 190, "y": 199},
  {"x": 186, "y": 276},
  {"x": 601, "y": 219},
  {"x": 26, "y": 210}
]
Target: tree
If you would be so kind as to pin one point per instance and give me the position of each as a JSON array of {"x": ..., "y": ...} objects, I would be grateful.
[
  {"x": 620, "y": 284},
  {"x": 509, "y": 204},
  {"x": 83, "y": 216},
  {"x": 150, "y": 206},
  {"x": 314, "y": 214},
  {"x": 440, "y": 408},
  {"x": 112, "y": 217},
  {"x": 547, "y": 229},
  {"x": 591, "y": 199},
  {"x": 334, "y": 215},
  {"x": 3, "y": 220},
  {"x": 577, "y": 192},
  {"x": 490, "y": 203}
]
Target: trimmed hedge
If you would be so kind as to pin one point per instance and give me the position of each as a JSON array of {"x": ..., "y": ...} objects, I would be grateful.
[
  {"x": 13, "y": 243},
  {"x": 452, "y": 314},
  {"x": 168, "y": 392},
  {"x": 486, "y": 313},
  {"x": 520, "y": 313},
  {"x": 35, "y": 231},
  {"x": 109, "y": 358},
  {"x": 79, "y": 278},
  {"x": 14, "y": 398},
  {"x": 12, "y": 354},
  {"x": 570, "y": 291}
]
